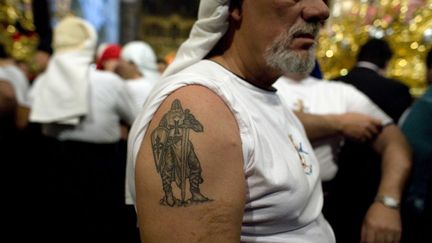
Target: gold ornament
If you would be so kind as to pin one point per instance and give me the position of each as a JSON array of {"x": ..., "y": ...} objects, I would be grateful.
[
  {"x": 17, "y": 29},
  {"x": 406, "y": 25}
]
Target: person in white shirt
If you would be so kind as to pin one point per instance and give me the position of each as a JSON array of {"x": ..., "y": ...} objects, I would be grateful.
[
  {"x": 331, "y": 111},
  {"x": 216, "y": 155},
  {"x": 138, "y": 66},
  {"x": 80, "y": 109},
  {"x": 9, "y": 72},
  {"x": 349, "y": 111}
]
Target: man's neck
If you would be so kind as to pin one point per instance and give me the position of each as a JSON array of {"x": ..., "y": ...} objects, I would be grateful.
[
  {"x": 250, "y": 72},
  {"x": 298, "y": 77}
]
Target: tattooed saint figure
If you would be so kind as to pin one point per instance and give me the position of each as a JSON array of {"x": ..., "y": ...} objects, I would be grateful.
[{"x": 175, "y": 158}]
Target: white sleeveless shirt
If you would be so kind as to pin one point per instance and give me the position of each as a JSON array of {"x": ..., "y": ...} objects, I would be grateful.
[{"x": 283, "y": 197}]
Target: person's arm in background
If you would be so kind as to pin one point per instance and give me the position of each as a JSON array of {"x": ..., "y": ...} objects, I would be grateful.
[
  {"x": 350, "y": 125},
  {"x": 22, "y": 117},
  {"x": 8, "y": 101},
  {"x": 8, "y": 104},
  {"x": 218, "y": 152},
  {"x": 382, "y": 223}
]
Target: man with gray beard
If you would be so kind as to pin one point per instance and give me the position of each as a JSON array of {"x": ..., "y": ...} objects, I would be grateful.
[
  {"x": 216, "y": 155},
  {"x": 277, "y": 56}
]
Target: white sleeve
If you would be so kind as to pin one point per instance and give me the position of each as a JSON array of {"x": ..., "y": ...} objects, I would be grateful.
[
  {"x": 19, "y": 82},
  {"x": 359, "y": 102},
  {"x": 24, "y": 88},
  {"x": 125, "y": 105}
]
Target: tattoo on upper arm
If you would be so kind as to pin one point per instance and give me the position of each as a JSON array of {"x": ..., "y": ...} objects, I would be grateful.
[{"x": 175, "y": 158}]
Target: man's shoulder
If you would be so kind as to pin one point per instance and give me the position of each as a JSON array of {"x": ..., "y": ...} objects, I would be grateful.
[
  {"x": 15, "y": 68},
  {"x": 340, "y": 84},
  {"x": 344, "y": 79},
  {"x": 139, "y": 83},
  {"x": 205, "y": 73},
  {"x": 204, "y": 69},
  {"x": 334, "y": 86},
  {"x": 13, "y": 74},
  {"x": 6, "y": 90},
  {"x": 398, "y": 83}
]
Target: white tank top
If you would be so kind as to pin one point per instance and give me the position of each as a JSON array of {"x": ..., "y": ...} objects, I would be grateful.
[{"x": 283, "y": 197}]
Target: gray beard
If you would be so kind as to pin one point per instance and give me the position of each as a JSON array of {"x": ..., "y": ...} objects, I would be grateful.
[{"x": 279, "y": 57}]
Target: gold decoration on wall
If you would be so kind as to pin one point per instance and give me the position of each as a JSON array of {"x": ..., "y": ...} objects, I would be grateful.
[
  {"x": 405, "y": 24},
  {"x": 17, "y": 28},
  {"x": 165, "y": 33}
]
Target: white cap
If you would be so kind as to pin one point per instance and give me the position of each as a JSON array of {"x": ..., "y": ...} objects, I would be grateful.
[
  {"x": 211, "y": 25},
  {"x": 142, "y": 55}
]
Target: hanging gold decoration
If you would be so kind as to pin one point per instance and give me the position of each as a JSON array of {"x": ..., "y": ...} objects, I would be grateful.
[
  {"x": 17, "y": 28},
  {"x": 405, "y": 24}
]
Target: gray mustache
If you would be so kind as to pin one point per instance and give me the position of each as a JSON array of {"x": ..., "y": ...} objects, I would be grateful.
[{"x": 305, "y": 30}]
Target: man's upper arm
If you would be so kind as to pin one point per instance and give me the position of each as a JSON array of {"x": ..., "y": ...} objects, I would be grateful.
[
  {"x": 189, "y": 176},
  {"x": 7, "y": 97}
]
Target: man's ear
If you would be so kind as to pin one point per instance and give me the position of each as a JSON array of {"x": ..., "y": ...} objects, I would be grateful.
[{"x": 236, "y": 13}]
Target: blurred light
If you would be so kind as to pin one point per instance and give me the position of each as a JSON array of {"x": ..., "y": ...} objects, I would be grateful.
[
  {"x": 421, "y": 48},
  {"x": 389, "y": 31},
  {"x": 427, "y": 36},
  {"x": 11, "y": 29},
  {"x": 377, "y": 22},
  {"x": 418, "y": 19},
  {"x": 329, "y": 53},
  {"x": 344, "y": 72}
]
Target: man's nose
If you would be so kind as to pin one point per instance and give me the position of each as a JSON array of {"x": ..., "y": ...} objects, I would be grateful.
[{"x": 315, "y": 11}]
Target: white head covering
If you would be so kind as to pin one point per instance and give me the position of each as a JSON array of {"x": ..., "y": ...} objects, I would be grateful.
[
  {"x": 60, "y": 94},
  {"x": 142, "y": 55},
  {"x": 211, "y": 25}
]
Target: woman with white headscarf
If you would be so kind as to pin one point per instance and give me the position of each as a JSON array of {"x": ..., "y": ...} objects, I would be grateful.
[
  {"x": 138, "y": 66},
  {"x": 80, "y": 110}
]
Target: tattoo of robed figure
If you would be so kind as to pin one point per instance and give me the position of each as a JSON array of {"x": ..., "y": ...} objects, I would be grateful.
[{"x": 175, "y": 158}]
